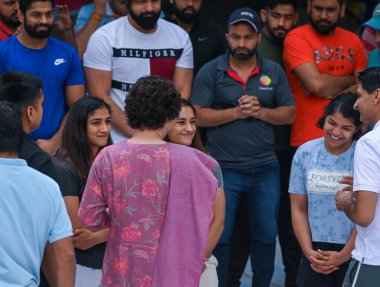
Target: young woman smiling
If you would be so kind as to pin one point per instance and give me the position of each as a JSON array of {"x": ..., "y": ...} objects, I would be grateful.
[
  {"x": 326, "y": 235},
  {"x": 184, "y": 132},
  {"x": 86, "y": 132}
]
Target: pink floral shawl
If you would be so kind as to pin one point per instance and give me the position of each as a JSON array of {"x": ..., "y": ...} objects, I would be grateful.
[{"x": 187, "y": 220}]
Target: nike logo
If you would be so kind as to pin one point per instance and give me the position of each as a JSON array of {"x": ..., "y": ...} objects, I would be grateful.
[
  {"x": 59, "y": 62},
  {"x": 202, "y": 39}
]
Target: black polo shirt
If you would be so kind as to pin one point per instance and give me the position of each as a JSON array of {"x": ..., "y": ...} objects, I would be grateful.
[
  {"x": 36, "y": 158},
  {"x": 207, "y": 40},
  {"x": 242, "y": 144}
]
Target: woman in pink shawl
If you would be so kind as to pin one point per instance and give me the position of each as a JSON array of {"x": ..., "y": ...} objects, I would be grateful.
[{"x": 156, "y": 197}]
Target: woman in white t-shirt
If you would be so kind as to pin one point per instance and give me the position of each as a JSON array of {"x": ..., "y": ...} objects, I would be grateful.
[{"x": 325, "y": 235}]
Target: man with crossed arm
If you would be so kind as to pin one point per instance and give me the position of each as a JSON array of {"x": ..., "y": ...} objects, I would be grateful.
[{"x": 321, "y": 60}]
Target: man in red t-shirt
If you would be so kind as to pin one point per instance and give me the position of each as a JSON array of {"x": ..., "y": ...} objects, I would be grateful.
[
  {"x": 8, "y": 18},
  {"x": 321, "y": 61}
]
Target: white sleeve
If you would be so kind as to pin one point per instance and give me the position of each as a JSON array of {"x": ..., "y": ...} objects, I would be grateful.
[
  {"x": 186, "y": 59},
  {"x": 367, "y": 166},
  {"x": 99, "y": 51}
]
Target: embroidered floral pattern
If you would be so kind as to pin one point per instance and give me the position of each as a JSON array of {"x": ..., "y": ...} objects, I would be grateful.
[
  {"x": 131, "y": 233},
  {"x": 120, "y": 265},
  {"x": 128, "y": 187},
  {"x": 149, "y": 188},
  {"x": 145, "y": 281},
  {"x": 121, "y": 170},
  {"x": 145, "y": 157}
]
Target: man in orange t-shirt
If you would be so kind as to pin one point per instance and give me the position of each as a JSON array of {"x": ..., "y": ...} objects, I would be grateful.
[{"x": 321, "y": 61}]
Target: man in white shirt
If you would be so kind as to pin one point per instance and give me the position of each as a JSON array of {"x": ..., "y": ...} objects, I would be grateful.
[{"x": 362, "y": 205}]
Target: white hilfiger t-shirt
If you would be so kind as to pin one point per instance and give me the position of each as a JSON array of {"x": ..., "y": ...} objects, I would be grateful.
[{"x": 130, "y": 54}]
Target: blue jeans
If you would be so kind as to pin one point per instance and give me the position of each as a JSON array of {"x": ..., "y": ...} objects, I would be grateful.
[{"x": 262, "y": 194}]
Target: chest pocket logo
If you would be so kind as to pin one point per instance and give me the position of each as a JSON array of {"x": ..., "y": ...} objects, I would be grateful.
[
  {"x": 58, "y": 62},
  {"x": 265, "y": 80}
]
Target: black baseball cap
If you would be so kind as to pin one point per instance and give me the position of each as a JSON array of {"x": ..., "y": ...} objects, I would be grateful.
[{"x": 248, "y": 15}]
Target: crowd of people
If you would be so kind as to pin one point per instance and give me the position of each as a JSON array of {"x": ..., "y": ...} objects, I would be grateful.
[{"x": 142, "y": 148}]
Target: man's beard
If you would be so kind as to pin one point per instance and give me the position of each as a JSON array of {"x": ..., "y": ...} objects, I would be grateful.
[
  {"x": 32, "y": 30},
  {"x": 243, "y": 57},
  {"x": 184, "y": 17},
  {"x": 147, "y": 23},
  {"x": 276, "y": 37},
  {"x": 12, "y": 21},
  {"x": 325, "y": 29}
]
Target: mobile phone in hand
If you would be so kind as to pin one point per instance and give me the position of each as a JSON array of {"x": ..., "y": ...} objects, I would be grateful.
[{"x": 56, "y": 12}]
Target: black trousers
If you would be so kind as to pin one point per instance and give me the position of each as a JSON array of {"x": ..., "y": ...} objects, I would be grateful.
[{"x": 307, "y": 277}]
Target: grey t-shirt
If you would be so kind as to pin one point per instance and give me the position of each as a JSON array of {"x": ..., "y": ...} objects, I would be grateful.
[{"x": 218, "y": 174}]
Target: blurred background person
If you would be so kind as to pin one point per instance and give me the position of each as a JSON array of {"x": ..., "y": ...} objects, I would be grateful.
[
  {"x": 94, "y": 15},
  {"x": 8, "y": 18},
  {"x": 207, "y": 39},
  {"x": 374, "y": 25}
]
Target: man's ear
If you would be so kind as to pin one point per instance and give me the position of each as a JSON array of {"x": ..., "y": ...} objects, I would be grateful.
[
  {"x": 263, "y": 15},
  {"x": 20, "y": 16},
  {"x": 30, "y": 113},
  {"x": 376, "y": 97},
  {"x": 308, "y": 6},
  {"x": 342, "y": 10}
]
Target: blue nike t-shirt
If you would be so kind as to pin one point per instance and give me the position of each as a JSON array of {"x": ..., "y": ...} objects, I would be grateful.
[{"x": 57, "y": 65}]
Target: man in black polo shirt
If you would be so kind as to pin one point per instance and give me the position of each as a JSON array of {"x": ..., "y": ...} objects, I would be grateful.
[
  {"x": 24, "y": 91},
  {"x": 279, "y": 17},
  {"x": 208, "y": 41},
  {"x": 238, "y": 97}
]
